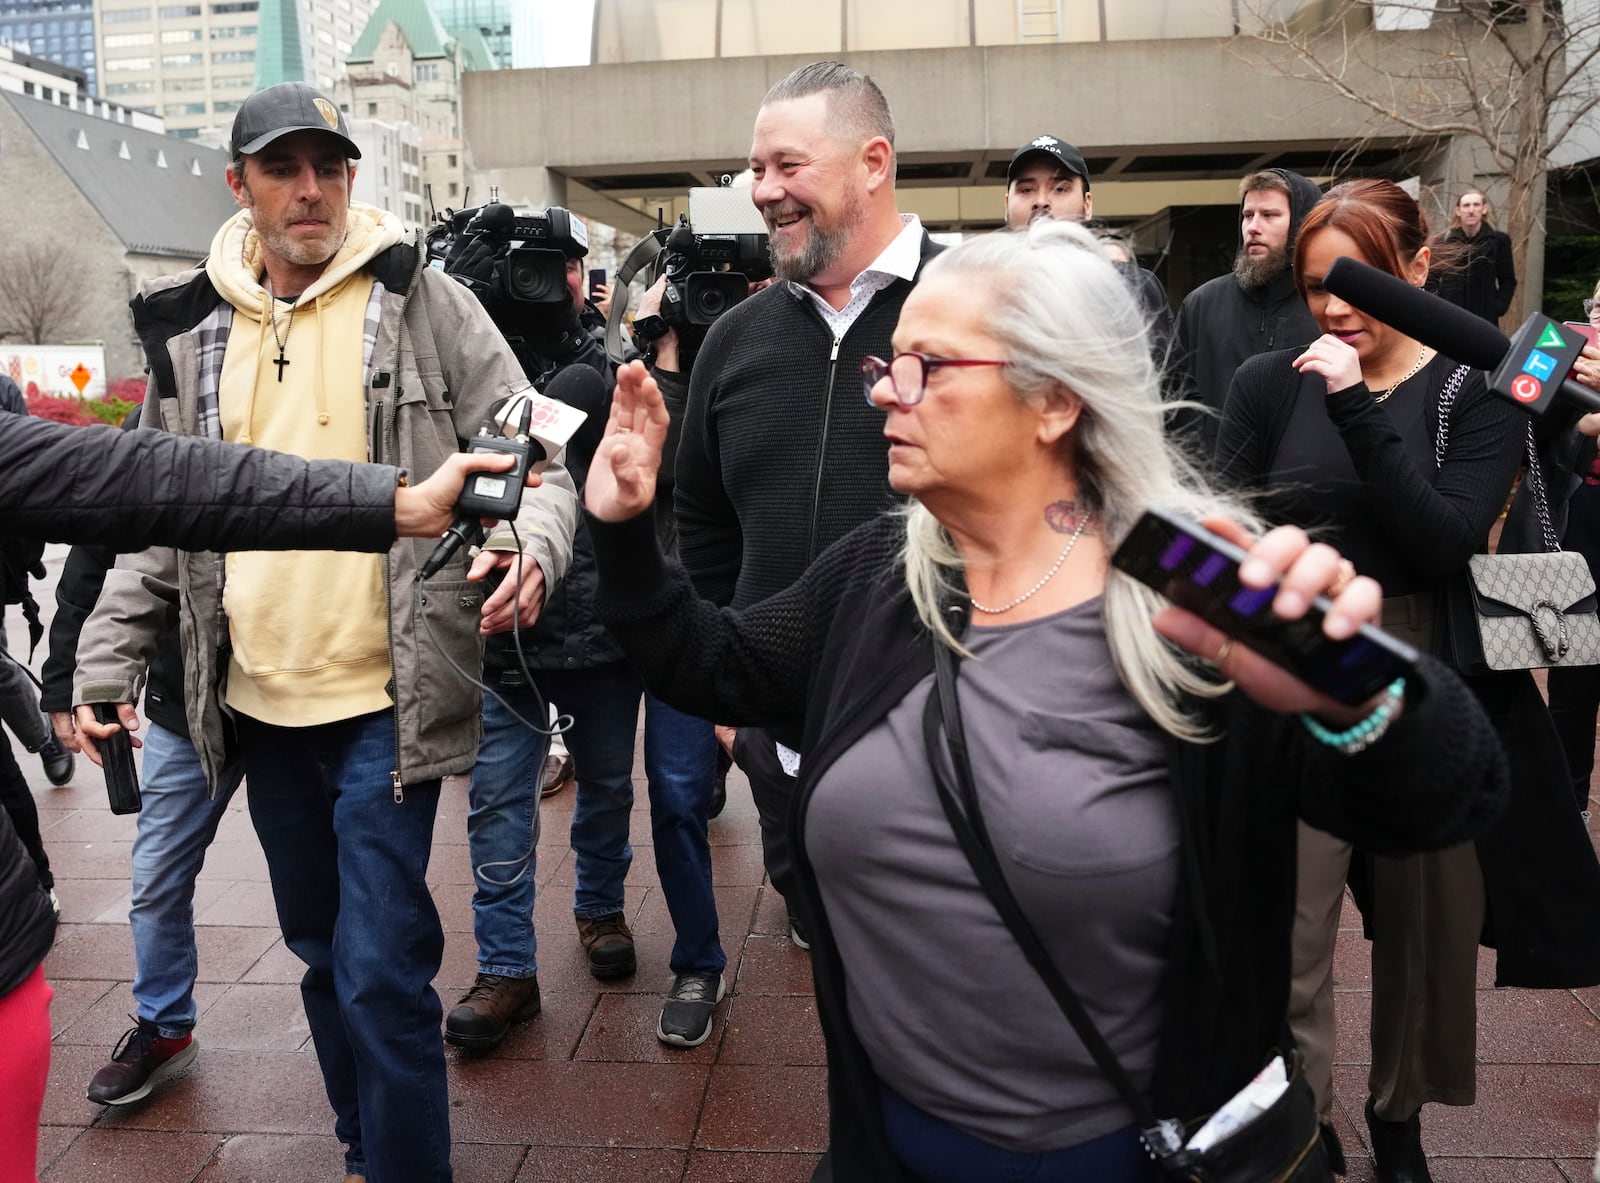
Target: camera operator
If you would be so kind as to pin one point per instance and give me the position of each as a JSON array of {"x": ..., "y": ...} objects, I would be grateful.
[{"x": 574, "y": 663}]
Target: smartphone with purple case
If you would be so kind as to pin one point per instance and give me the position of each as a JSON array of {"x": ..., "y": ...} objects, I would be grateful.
[{"x": 1199, "y": 571}]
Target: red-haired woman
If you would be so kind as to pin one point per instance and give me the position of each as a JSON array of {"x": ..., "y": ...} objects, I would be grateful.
[{"x": 1402, "y": 460}]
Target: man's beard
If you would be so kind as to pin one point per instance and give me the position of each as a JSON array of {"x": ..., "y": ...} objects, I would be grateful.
[
  {"x": 300, "y": 252},
  {"x": 1257, "y": 271},
  {"x": 303, "y": 252},
  {"x": 822, "y": 246}
]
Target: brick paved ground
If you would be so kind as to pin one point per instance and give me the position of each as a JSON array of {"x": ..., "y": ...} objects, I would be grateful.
[{"x": 585, "y": 1091}]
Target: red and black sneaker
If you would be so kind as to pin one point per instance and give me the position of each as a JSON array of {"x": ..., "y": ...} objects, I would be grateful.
[{"x": 143, "y": 1059}]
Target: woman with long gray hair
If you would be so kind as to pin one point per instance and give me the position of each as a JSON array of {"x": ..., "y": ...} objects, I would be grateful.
[{"x": 1139, "y": 777}]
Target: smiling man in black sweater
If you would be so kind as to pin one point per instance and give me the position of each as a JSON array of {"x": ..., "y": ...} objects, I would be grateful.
[{"x": 780, "y": 454}]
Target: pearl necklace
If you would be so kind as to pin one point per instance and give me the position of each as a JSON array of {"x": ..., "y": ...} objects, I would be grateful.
[
  {"x": 1410, "y": 374},
  {"x": 1056, "y": 566}
]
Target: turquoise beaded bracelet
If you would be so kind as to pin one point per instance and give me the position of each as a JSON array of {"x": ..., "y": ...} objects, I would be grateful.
[{"x": 1365, "y": 733}]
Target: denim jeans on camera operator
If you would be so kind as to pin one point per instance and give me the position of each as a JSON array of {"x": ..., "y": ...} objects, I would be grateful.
[{"x": 680, "y": 759}]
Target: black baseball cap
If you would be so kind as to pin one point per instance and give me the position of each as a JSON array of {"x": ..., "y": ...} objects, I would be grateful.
[
  {"x": 1064, "y": 153},
  {"x": 287, "y": 107}
]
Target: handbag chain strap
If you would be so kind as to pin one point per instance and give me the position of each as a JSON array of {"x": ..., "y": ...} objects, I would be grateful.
[
  {"x": 1163, "y": 1138},
  {"x": 1541, "y": 500}
]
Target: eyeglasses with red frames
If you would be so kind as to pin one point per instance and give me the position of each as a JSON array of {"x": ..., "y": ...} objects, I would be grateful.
[{"x": 908, "y": 373}]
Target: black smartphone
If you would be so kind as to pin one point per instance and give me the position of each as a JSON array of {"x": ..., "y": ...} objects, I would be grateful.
[
  {"x": 597, "y": 280},
  {"x": 116, "y": 760},
  {"x": 1199, "y": 570}
]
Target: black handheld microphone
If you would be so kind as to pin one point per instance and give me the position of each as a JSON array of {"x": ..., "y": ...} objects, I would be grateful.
[
  {"x": 1529, "y": 369},
  {"x": 487, "y": 494},
  {"x": 544, "y": 424}
]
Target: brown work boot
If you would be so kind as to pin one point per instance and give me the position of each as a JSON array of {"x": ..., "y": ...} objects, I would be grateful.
[
  {"x": 609, "y": 943},
  {"x": 486, "y": 1011}
]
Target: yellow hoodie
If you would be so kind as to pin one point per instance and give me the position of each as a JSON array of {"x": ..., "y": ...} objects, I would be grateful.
[{"x": 309, "y": 628}]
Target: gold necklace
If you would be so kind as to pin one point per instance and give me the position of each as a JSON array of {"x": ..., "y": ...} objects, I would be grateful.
[
  {"x": 1048, "y": 575},
  {"x": 1410, "y": 374}
]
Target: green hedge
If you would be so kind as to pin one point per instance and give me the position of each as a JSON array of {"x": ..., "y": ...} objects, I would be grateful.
[{"x": 1571, "y": 269}]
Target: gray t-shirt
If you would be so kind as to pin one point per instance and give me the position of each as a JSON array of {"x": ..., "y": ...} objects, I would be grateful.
[{"x": 1074, "y": 784}]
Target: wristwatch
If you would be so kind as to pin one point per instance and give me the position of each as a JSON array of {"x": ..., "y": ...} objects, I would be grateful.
[{"x": 649, "y": 328}]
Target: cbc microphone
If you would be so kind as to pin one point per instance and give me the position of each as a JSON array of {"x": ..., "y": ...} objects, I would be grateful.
[{"x": 1529, "y": 369}]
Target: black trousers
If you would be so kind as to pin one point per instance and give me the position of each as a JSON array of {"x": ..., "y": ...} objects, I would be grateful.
[
  {"x": 18, "y": 803},
  {"x": 755, "y": 752},
  {"x": 1574, "y": 707}
]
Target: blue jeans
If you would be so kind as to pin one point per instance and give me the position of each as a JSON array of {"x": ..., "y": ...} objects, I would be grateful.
[
  {"x": 176, "y": 825},
  {"x": 503, "y": 833},
  {"x": 679, "y": 761},
  {"x": 348, "y": 864}
]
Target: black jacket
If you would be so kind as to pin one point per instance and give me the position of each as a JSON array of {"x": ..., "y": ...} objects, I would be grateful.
[
  {"x": 843, "y": 646},
  {"x": 82, "y": 576},
  {"x": 1484, "y": 279},
  {"x": 27, "y": 921},
  {"x": 132, "y": 490},
  {"x": 1222, "y": 322},
  {"x": 566, "y": 635},
  {"x": 1539, "y": 867},
  {"x": 780, "y": 454}
]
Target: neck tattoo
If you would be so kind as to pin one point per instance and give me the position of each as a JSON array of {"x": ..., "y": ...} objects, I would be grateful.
[
  {"x": 1083, "y": 523},
  {"x": 1410, "y": 374},
  {"x": 272, "y": 316}
]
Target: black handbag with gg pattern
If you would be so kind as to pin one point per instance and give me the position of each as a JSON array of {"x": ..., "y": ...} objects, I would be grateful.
[{"x": 1520, "y": 611}]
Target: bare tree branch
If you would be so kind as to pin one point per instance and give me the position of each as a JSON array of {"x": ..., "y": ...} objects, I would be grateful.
[{"x": 42, "y": 291}]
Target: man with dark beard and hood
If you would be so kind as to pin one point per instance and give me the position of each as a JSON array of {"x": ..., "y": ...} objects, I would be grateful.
[
  {"x": 1251, "y": 309},
  {"x": 780, "y": 454}
]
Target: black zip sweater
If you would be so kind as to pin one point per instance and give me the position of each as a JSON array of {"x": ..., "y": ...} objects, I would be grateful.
[
  {"x": 843, "y": 646},
  {"x": 780, "y": 454}
]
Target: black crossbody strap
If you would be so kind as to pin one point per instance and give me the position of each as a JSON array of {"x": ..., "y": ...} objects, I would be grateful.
[{"x": 941, "y": 718}]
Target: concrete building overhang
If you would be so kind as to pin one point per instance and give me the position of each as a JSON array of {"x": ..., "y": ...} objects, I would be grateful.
[{"x": 1161, "y": 123}]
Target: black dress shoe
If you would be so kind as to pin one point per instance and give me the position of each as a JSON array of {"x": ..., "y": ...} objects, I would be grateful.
[{"x": 1397, "y": 1149}]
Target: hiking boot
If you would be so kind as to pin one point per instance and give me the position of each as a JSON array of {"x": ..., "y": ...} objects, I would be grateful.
[
  {"x": 486, "y": 1011},
  {"x": 557, "y": 775},
  {"x": 609, "y": 943},
  {"x": 57, "y": 760},
  {"x": 143, "y": 1059},
  {"x": 686, "y": 1017}
]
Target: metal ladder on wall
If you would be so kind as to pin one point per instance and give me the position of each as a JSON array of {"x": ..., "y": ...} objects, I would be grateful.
[{"x": 1038, "y": 21}]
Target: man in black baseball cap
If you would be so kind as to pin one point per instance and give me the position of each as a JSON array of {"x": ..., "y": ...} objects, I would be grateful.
[
  {"x": 288, "y": 107},
  {"x": 1047, "y": 179}
]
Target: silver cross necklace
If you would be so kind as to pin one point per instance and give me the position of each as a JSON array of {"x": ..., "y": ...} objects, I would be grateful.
[{"x": 272, "y": 316}]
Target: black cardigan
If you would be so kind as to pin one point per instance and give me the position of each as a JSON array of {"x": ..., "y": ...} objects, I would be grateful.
[
  {"x": 843, "y": 646},
  {"x": 780, "y": 454}
]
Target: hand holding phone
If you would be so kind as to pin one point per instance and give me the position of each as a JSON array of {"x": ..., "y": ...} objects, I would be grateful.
[
  {"x": 1198, "y": 570},
  {"x": 116, "y": 759}
]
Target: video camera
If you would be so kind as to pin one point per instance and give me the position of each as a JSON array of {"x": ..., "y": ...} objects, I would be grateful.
[
  {"x": 707, "y": 274},
  {"x": 500, "y": 254},
  {"x": 710, "y": 258}
]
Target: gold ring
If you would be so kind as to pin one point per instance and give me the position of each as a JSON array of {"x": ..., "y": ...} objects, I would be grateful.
[
  {"x": 1222, "y": 654},
  {"x": 624, "y": 431},
  {"x": 1344, "y": 578}
]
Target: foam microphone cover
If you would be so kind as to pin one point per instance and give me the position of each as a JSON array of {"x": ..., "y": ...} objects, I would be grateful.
[
  {"x": 497, "y": 218},
  {"x": 582, "y": 388},
  {"x": 1423, "y": 316}
]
